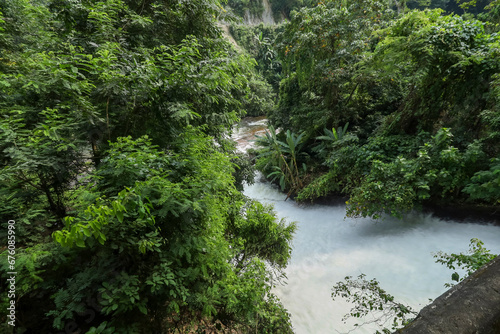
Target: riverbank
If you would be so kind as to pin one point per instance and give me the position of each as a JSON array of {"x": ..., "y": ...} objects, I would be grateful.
[
  {"x": 458, "y": 212},
  {"x": 465, "y": 213}
]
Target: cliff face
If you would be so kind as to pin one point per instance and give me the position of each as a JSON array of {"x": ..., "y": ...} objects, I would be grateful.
[
  {"x": 472, "y": 306},
  {"x": 266, "y": 17}
]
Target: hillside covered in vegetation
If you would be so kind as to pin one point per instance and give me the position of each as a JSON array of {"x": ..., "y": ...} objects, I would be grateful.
[
  {"x": 118, "y": 178},
  {"x": 392, "y": 107}
]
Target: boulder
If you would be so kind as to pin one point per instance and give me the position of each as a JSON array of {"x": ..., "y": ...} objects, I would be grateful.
[{"x": 470, "y": 307}]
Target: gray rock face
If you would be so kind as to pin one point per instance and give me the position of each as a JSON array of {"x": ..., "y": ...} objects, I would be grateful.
[
  {"x": 266, "y": 18},
  {"x": 470, "y": 307}
]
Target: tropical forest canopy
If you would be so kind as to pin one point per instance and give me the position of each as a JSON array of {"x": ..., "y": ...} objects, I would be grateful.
[
  {"x": 391, "y": 107},
  {"x": 119, "y": 172}
]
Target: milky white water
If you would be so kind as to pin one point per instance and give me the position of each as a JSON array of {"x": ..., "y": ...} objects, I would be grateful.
[{"x": 327, "y": 247}]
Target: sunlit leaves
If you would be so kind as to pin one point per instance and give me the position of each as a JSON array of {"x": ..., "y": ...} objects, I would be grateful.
[
  {"x": 262, "y": 236},
  {"x": 174, "y": 211}
]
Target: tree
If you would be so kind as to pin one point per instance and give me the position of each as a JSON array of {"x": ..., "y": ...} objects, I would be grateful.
[
  {"x": 114, "y": 123},
  {"x": 370, "y": 299},
  {"x": 443, "y": 55},
  {"x": 409, "y": 83},
  {"x": 439, "y": 171},
  {"x": 319, "y": 48},
  {"x": 179, "y": 246},
  {"x": 281, "y": 158}
]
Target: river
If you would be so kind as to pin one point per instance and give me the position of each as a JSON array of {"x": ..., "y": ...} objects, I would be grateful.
[{"x": 328, "y": 247}]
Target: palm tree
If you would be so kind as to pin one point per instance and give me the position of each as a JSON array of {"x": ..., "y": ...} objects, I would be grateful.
[{"x": 282, "y": 157}]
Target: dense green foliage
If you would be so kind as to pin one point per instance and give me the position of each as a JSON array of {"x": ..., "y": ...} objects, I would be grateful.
[
  {"x": 281, "y": 159},
  {"x": 282, "y": 9},
  {"x": 394, "y": 110},
  {"x": 319, "y": 50},
  {"x": 258, "y": 41},
  {"x": 116, "y": 167}
]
